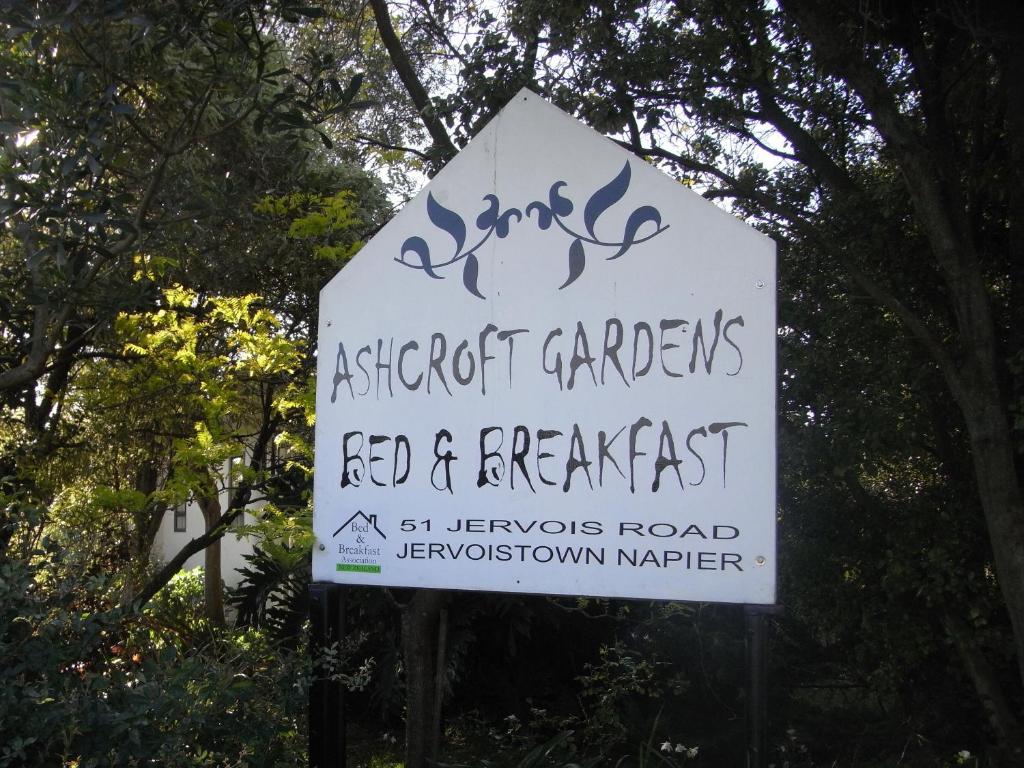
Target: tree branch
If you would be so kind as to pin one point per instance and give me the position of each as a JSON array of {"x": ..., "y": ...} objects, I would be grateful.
[
  {"x": 363, "y": 139},
  {"x": 444, "y": 149},
  {"x": 236, "y": 506},
  {"x": 941, "y": 217}
]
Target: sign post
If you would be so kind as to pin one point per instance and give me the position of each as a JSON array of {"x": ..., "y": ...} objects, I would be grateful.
[
  {"x": 326, "y": 696},
  {"x": 754, "y": 618},
  {"x": 552, "y": 372}
]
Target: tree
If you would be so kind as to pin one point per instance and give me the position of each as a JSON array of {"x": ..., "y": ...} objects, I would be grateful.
[
  {"x": 170, "y": 214},
  {"x": 104, "y": 110},
  {"x": 139, "y": 142},
  {"x": 200, "y": 384},
  {"x": 825, "y": 124}
]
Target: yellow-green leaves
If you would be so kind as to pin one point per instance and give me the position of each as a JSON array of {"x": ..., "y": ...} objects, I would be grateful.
[
  {"x": 329, "y": 222},
  {"x": 192, "y": 382},
  {"x": 110, "y": 499},
  {"x": 211, "y": 339}
]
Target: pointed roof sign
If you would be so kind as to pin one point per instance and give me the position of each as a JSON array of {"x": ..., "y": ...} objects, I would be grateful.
[{"x": 552, "y": 372}]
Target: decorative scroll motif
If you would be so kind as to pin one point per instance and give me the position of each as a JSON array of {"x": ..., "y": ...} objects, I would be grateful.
[{"x": 415, "y": 252}]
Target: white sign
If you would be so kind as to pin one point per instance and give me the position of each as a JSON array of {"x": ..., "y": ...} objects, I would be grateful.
[{"x": 552, "y": 372}]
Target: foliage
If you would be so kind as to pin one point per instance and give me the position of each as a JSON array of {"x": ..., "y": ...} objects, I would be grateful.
[
  {"x": 118, "y": 123},
  {"x": 154, "y": 322},
  {"x": 618, "y": 679},
  {"x": 273, "y": 592},
  {"x": 557, "y": 752},
  {"x": 318, "y": 218},
  {"x": 820, "y": 123},
  {"x": 84, "y": 683},
  {"x": 177, "y": 183},
  {"x": 178, "y": 607},
  {"x": 188, "y": 383}
]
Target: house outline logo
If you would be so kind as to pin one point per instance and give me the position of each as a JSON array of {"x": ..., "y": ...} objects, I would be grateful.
[{"x": 371, "y": 520}]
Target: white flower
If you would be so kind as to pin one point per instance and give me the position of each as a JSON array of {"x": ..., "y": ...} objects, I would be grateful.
[
  {"x": 666, "y": 746},
  {"x": 680, "y": 747},
  {"x": 691, "y": 753}
]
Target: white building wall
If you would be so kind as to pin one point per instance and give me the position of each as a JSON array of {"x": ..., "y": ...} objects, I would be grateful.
[{"x": 169, "y": 542}]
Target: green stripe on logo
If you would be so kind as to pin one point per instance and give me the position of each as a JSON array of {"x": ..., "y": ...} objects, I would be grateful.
[{"x": 352, "y": 568}]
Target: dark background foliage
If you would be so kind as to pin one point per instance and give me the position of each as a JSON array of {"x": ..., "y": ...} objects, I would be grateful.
[{"x": 224, "y": 148}]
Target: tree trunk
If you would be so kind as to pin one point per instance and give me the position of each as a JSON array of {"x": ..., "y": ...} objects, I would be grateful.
[
  {"x": 420, "y": 623},
  {"x": 999, "y": 489},
  {"x": 439, "y": 682},
  {"x": 213, "y": 591},
  {"x": 986, "y": 683},
  {"x": 443, "y": 149},
  {"x": 140, "y": 541},
  {"x": 970, "y": 364}
]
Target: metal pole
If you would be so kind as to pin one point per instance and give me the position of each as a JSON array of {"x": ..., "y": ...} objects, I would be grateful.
[
  {"x": 326, "y": 697},
  {"x": 319, "y": 619},
  {"x": 757, "y": 685},
  {"x": 439, "y": 676},
  {"x": 340, "y": 723}
]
